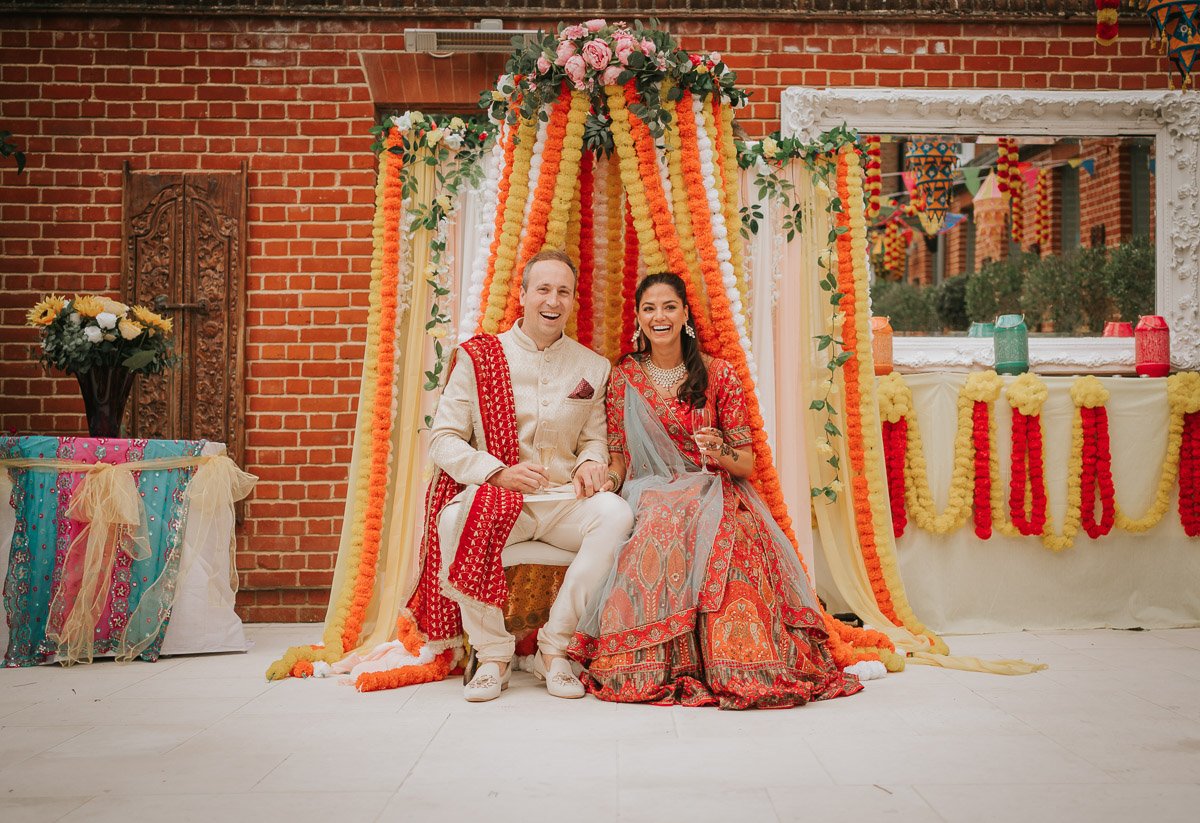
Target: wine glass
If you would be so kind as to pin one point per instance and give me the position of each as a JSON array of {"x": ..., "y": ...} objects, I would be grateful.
[
  {"x": 546, "y": 441},
  {"x": 702, "y": 418}
]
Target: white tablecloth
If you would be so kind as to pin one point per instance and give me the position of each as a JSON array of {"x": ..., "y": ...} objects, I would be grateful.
[{"x": 961, "y": 584}]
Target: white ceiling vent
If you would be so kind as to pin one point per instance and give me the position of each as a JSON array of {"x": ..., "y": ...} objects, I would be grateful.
[{"x": 464, "y": 40}]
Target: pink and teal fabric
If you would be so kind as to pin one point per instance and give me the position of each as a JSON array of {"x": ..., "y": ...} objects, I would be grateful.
[{"x": 43, "y": 533}]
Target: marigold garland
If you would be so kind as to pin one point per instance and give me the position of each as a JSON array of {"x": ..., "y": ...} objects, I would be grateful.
[
  {"x": 509, "y": 144},
  {"x": 585, "y": 324},
  {"x": 867, "y": 474},
  {"x": 631, "y": 177},
  {"x": 1189, "y": 475},
  {"x": 679, "y": 206},
  {"x": 895, "y": 406},
  {"x": 551, "y": 202},
  {"x": 615, "y": 314},
  {"x": 731, "y": 200},
  {"x": 629, "y": 284},
  {"x": 1041, "y": 210},
  {"x": 507, "y": 238},
  {"x": 1027, "y": 485},
  {"x": 573, "y": 250},
  {"x": 1183, "y": 398},
  {"x": 1096, "y": 478},
  {"x": 873, "y": 183},
  {"x": 343, "y": 627},
  {"x": 981, "y": 425}
]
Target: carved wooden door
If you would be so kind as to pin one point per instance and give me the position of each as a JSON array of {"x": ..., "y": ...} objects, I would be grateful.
[{"x": 184, "y": 256}]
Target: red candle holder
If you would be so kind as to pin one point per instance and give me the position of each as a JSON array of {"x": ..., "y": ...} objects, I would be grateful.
[{"x": 1152, "y": 346}]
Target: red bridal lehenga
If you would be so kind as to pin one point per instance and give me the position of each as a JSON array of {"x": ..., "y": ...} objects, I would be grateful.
[{"x": 708, "y": 604}]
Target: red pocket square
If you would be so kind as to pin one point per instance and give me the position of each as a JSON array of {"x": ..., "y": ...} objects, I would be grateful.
[{"x": 583, "y": 391}]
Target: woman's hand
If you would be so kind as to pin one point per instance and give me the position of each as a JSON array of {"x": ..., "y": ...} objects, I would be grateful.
[{"x": 738, "y": 462}]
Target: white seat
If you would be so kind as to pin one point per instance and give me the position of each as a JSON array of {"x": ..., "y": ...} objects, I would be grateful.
[{"x": 533, "y": 552}]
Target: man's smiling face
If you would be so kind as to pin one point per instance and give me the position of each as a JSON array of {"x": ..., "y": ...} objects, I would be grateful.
[{"x": 548, "y": 296}]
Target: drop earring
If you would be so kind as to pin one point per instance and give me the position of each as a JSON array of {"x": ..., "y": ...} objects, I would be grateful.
[
  {"x": 637, "y": 336},
  {"x": 688, "y": 330}
]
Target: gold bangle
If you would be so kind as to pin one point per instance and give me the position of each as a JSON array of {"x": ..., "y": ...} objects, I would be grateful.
[{"x": 616, "y": 481}]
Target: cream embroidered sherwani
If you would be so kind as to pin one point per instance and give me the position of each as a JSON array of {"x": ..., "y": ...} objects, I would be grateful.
[{"x": 547, "y": 390}]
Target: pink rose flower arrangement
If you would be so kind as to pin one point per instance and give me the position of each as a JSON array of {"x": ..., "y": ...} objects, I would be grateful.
[
  {"x": 596, "y": 54},
  {"x": 595, "y": 25},
  {"x": 609, "y": 78},
  {"x": 543, "y": 65},
  {"x": 566, "y": 50},
  {"x": 572, "y": 33},
  {"x": 576, "y": 69}
]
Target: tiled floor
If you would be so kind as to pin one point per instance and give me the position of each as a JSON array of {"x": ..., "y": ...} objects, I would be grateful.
[{"x": 1110, "y": 732}]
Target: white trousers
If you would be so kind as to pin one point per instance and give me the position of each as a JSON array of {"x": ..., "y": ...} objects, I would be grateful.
[{"x": 594, "y": 528}]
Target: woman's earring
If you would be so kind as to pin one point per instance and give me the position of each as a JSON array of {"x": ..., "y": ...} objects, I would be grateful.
[
  {"x": 637, "y": 334},
  {"x": 688, "y": 330}
]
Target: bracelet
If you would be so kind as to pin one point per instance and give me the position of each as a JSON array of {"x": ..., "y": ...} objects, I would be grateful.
[{"x": 616, "y": 481}]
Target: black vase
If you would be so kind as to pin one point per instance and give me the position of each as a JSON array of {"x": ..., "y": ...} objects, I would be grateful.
[{"x": 105, "y": 390}]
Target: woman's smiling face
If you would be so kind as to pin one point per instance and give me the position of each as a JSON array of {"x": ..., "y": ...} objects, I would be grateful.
[{"x": 662, "y": 315}]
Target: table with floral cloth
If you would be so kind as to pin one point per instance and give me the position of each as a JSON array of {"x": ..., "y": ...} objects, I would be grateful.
[{"x": 81, "y": 582}]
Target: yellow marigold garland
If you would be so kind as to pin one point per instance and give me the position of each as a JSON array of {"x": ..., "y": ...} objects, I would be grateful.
[
  {"x": 635, "y": 189},
  {"x": 566, "y": 187},
  {"x": 514, "y": 213},
  {"x": 980, "y": 386},
  {"x": 573, "y": 233},
  {"x": 1183, "y": 397},
  {"x": 731, "y": 200}
]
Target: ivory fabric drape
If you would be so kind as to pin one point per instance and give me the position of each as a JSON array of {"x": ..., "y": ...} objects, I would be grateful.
[
  {"x": 961, "y": 584},
  {"x": 398, "y": 550}
]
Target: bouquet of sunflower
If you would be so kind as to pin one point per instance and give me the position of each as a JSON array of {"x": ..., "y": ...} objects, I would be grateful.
[{"x": 89, "y": 331}]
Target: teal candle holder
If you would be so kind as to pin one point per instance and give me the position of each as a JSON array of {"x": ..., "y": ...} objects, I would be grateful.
[
  {"x": 1011, "y": 340},
  {"x": 979, "y": 329}
]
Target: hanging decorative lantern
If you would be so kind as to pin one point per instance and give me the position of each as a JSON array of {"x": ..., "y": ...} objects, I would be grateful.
[
  {"x": 1152, "y": 347},
  {"x": 933, "y": 160},
  {"x": 1176, "y": 24},
  {"x": 991, "y": 210}
]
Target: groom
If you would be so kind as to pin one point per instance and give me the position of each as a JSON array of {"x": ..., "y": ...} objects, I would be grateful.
[{"x": 530, "y": 389}]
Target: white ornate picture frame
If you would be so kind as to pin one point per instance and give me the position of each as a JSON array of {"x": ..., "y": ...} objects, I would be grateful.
[{"x": 1171, "y": 118}]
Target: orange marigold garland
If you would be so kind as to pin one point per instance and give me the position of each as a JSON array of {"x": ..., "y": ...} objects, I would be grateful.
[
  {"x": 868, "y": 482},
  {"x": 1017, "y": 190},
  {"x": 381, "y": 418}
]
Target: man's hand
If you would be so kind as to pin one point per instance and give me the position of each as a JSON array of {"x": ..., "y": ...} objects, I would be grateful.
[
  {"x": 591, "y": 477},
  {"x": 526, "y": 478}
]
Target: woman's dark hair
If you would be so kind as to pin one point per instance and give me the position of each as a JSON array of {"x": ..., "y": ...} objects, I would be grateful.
[{"x": 692, "y": 389}]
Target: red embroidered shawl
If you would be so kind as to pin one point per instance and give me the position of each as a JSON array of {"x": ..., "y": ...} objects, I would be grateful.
[{"x": 477, "y": 573}]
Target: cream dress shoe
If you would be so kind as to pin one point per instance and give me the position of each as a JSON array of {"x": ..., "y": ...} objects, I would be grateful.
[
  {"x": 560, "y": 680},
  {"x": 487, "y": 683}
]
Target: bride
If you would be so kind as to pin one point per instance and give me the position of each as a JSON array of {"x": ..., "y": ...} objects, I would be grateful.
[{"x": 708, "y": 603}]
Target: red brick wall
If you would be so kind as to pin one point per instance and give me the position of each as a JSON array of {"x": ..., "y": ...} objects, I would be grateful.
[{"x": 292, "y": 97}]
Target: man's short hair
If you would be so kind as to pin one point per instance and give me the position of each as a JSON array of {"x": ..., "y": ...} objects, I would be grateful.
[{"x": 549, "y": 254}]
